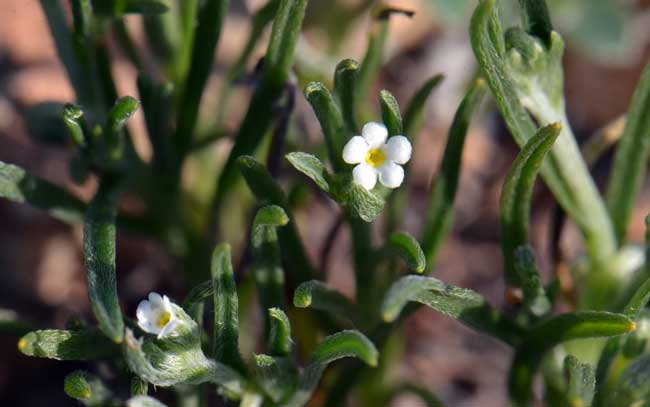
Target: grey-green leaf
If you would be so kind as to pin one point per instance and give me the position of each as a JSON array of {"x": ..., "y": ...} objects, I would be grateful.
[
  {"x": 85, "y": 344},
  {"x": 321, "y": 296},
  {"x": 408, "y": 248},
  {"x": 582, "y": 382},
  {"x": 467, "y": 306},
  {"x": 99, "y": 261},
  {"x": 331, "y": 121},
  {"x": 390, "y": 113},
  {"x": 280, "y": 341},
  {"x": 87, "y": 389},
  {"x": 312, "y": 167}
]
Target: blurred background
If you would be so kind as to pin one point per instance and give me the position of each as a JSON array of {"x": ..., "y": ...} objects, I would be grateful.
[{"x": 41, "y": 269}]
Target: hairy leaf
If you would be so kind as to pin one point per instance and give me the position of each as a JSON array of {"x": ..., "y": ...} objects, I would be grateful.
[{"x": 85, "y": 344}]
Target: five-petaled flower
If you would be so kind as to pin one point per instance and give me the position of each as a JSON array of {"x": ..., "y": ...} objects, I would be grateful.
[
  {"x": 156, "y": 315},
  {"x": 376, "y": 157}
]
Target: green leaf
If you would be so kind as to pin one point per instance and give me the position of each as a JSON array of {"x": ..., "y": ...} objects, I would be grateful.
[
  {"x": 440, "y": 209},
  {"x": 122, "y": 111},
  {"x": 632, "y": 387},
  {"x": 268, "y": 192},
  {"x": 390, "y": 113},
  {"x": 553, "y": 331},
  {"x": 408, "y": 248},
  {"x": 139, "y": 387},
  {"x": 226, "y": 310},
  {"x": 267, "y": 263},
  {"x": 358, "y": 201},
  {"x": 516, "y": 195},
  {"x": 525, "y": 267},
  {"x": 85, "y": 344},
  {"x": 520, "y": 84},
  {"x": 331, "y": 121},
  {"x": 205, "y": 39},
  {"x": 280, "y": 341},
  {"x": 312, "y": 167},
  {"x": 157, "y": 102},
  {"x": 87, "y": 388},
  {"x": 631, "y": 159},
  {"x": 466, "y": 306},
  {"x": 340, "y": 345},
  {"x": 197, "y": 295},
  {"x": 72, "y": 116},
  {"x": 582, "y": 382},
  {"x": 321, "y": 296},
  {"x": 99, "y": 260},
  {"x": 275, "y": 72},
  {"x": 276, "y": 375},
  {"x": 143, "y": 401},
  {"x": 345, "y": 91},
  {"x": 536, "y": 19},
  {"x": 416, "y": 106},
  {"x": 17, "y": 185}
]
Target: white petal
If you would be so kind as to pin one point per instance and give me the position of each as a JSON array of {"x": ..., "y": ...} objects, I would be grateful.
[
  {"x": 156, "y": 300},
  {"x": 167, "y": 304},
  {"x": 168, "y": 328},
  {"x": 365, "y": 175},
  {"x": 375, "y": 134},
  {"x": 355, "y": 150},
  {"x": 391, "y": 175},
  {"x": 143, "y": 313},
  {"x": 148, "y": 326},
  {"x": 398, "y": 149}
]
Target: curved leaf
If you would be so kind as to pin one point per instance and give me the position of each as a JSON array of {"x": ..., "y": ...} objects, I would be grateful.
[
  {"x": 345, "y": 91},
  {"x": 416, "y": 106},
  {"x": 226, "y": 310},
  {"x": 439, "y": 211},
  {"x": 86, "y": 344},
  {"x": 87, "y": 389},
  {"x": 340, "y": 345},
  {"x": 631, "y": 158},
  {"x": 558, "y": 329},
  {"x": 319, "y": 295},
  {"x": 408, "y": 248},
  {"x": 466, "y": 306},
  {"x": 276, "y": 375},
  {"x": 516, "y": 195},
  {"x": 99, "y": 260},
  {"x": 535, "y": 299},
  {"x": 17, "y": 185},
  {"x": 390, "y": 113},
  {"x": 312, "y": 167},
  {"x": 280, "y": 341},
  {"x": 331, "y": 121}
]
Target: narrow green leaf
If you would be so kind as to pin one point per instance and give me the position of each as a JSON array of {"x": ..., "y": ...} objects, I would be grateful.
[
  {"x": 321, "y": 296},
  {"x": 268, "y": 192},
  {"x": 536, "y": 19},
  {"x": 122, "y": 111},
  {"x": 312, "y": 167},
  {"x": 345, "y": 91},
  {"x": 17, "y": 185},
  {"x": 197, "y": 295},
  {"x": 280, "y": 341},
  {"x": 631, "y": 159},
  {"x": 144, "y": 401},
  {"x": 331, "y": 121},
  {"x": 552, "y": 332},
  {"x": 276, "y": 375},
  {"x": 582, "y": 382},
  {"x": 340, "y": 345},
  {"x": 226, "y": 310},
  {"x": 416, "y": 106},
  {"x": 517, "y": 193},
  {"x": 408, "y": 248},
  {"x": 72, "y": 116},
  {"x": 390, "y": 113},
  {"x": 99, "y": 260},
  {"x": 86, "y": 344},
  {"x": 206, "y": 37},
  {"x": 87, "y": 389},
  {"x": 275, "y": 72},
  {"x": 525, "y": 267},
  {"x": 440, "y": 209},
  {"x": 267, "y": 263},
  {"x": 564, "y": 171},
  {"x": 466, "y": 306}
]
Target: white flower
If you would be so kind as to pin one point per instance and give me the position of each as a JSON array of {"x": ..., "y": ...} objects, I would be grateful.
[
  {"x": 376, "y": 157},
  {"x": 156, "y": 315}
]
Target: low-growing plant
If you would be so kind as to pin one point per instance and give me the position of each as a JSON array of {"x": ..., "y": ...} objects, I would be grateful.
[{"x": 362, "y": 168}]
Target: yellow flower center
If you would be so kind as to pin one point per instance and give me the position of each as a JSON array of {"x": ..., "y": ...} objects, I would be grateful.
[
  {"x": 375, "y": 157},
  {"x": 164, "y": 319}
]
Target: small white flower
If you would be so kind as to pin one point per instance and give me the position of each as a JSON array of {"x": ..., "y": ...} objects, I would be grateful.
[
  {"x": 376, "y": 157},
  {"x": 156, "y": 315}
]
